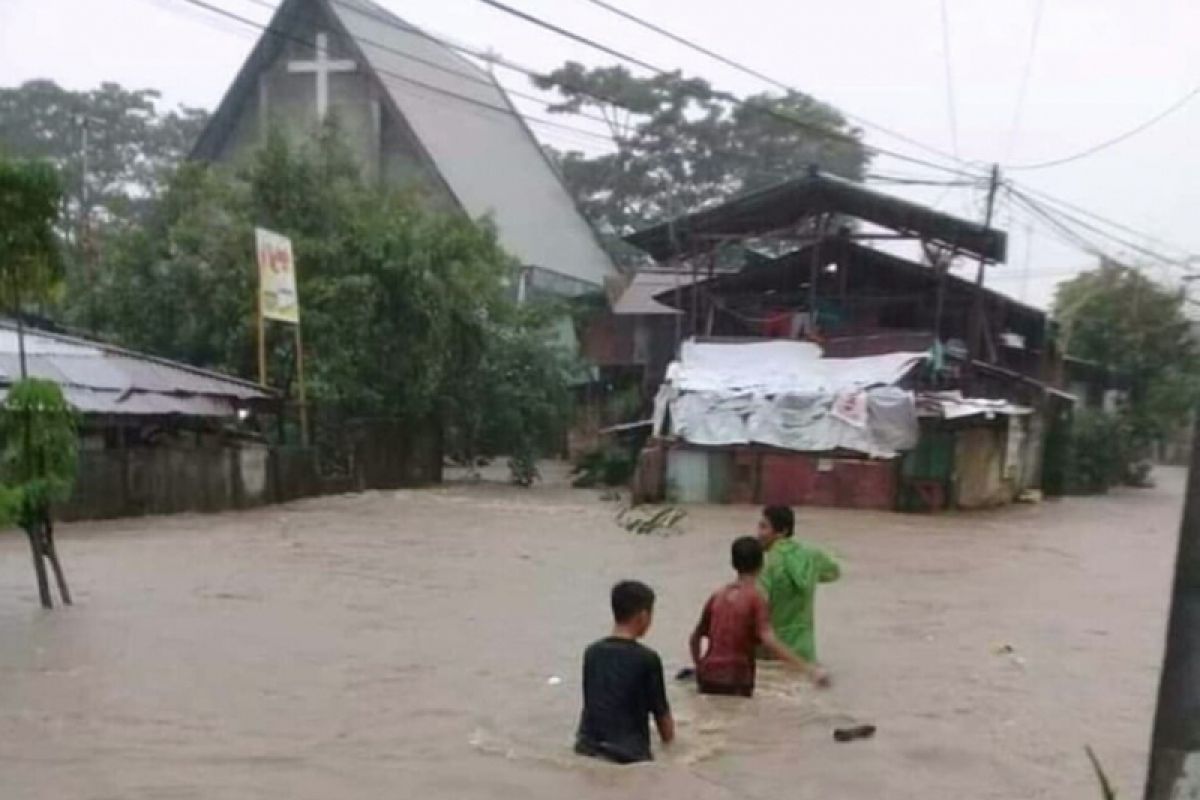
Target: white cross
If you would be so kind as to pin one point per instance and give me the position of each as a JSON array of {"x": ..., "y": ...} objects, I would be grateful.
[{"x": 322, "y": 67}]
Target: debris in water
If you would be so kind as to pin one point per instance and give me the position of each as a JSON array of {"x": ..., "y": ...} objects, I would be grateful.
[
  {"x": 664, "y": 521},
  {"x": 856, "y": 732}
]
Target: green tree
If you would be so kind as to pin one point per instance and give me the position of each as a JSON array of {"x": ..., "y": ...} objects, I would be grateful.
[
  {"x": 517, "y": 400},
  {"x": 679, "y": 145},
  {"x": 1118, "y": 317},
  {"x": 403, "y": 308},
  {"x": 36, "y": 424},
  {"x": 30, "y": 264},
  {"x": 37, "y": 466},
  {"x": 133, "y": 143}
]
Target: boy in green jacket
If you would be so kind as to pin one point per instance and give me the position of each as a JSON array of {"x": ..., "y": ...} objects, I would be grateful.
[{"x": 789, "y": 580}]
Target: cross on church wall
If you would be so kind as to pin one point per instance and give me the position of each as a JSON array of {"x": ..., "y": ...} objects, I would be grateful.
[{"x": 322, "y": 67}]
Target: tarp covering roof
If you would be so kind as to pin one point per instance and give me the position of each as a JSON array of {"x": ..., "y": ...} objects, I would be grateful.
[
  {"x": 101, "y": 379},
  {"x": 783, "y": 205},
  {"x": 782, "y": 366},
  {"x": 952, "y": 405},
  {"x": 783, "y": 394}
]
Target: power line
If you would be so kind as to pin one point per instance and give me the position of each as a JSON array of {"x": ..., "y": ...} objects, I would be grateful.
[
  {"x": 392, "y": 21},
  {"x": 550, "y": 26},
  {"x": 951, "y": 110},
  {"x": 1057, "y": 217},
  {"x": 471, "y": 76},
  {"x": 729, "y": 62},
  {"x": 727, "y": 96},
  {"x": 908, "y": 180},
  {"x": 1039, "y": 7},
  {"x": 1175, "y": 262},
  {"x": 550, "y": 124},
  {"x": 1159, "y": 117},
  {"x": 507, "y": 110},
  {"x": 1047, "y": 198}
]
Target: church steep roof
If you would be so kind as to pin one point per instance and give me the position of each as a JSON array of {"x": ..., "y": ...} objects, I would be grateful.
[{"x": 475, "y": 140}]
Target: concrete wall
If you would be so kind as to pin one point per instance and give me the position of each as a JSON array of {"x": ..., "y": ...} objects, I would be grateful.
[{"x": 170, "y": 480}]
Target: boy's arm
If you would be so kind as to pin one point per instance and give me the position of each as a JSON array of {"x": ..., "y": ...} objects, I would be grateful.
[
  {"x": 817, "y": 674},
  {"x": 699, "y": 632},
  {"x": 666, "y": 727},
  {"x": 828, "y": 570},
  {"x": 658, "y": 703},
  {"x": 771, "y": 643}
]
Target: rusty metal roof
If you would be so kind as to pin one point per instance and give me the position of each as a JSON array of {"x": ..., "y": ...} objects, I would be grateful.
[{"x": 98, "y": 378}]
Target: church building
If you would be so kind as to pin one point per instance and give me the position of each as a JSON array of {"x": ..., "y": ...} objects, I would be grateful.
[{"x": 417, "y": 114}]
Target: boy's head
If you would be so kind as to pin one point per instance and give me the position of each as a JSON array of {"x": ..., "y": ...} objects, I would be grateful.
[
  {"x": 747, "y": 556},
  {"x": 777, "y": 522},
  {"x": 633, "y": 606}
]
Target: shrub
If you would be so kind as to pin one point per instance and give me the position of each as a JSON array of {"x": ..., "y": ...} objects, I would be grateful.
[
  {"x": 607, "y": 465},
  {"x": 1101, "y": 452}
]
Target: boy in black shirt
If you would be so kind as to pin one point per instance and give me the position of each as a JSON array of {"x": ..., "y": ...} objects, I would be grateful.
[{"x": 623, "y": 684}]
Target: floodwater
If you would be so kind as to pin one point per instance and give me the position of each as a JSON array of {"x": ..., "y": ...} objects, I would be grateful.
[{"x": 427, "y": 644}]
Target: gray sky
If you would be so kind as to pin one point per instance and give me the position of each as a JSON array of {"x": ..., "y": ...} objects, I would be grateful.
[{"x": 1100, "y": 67}]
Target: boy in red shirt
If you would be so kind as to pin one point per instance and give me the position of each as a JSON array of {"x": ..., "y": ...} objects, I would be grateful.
[{"x": 735, "y": 621}]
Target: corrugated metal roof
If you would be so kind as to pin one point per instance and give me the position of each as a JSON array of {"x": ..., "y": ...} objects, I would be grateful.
[
  {"x": 784, "y": 204},
  {"x": 101, "y": 379}
]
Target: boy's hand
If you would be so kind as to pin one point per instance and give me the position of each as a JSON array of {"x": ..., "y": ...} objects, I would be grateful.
[{"x": 820, "y": 677}]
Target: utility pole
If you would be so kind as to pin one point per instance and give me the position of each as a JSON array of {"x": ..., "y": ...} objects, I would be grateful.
[
  {"x": 978, "y": 323},
  {"x": 84, "y": 233},
  {"x": 1174, "y": 768}
]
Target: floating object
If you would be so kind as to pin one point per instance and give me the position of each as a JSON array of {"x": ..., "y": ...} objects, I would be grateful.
[
  {"x": 856, "y": 732},
  {"x": 553, "y": 680},
  {"x": 685, "y": 674}
]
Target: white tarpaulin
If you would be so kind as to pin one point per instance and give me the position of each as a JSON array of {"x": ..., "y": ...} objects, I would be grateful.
[
  {"x": 952, "y": 405},
  {"x": 784, "y": 394}
]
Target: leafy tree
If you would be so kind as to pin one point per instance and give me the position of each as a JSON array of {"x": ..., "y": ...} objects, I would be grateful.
[
  {"x": 679, "y": 145},
  {"x": 517, "y": 399},
  {"x": 37, "y": 465},
  {"x": 1123, "y": 320},
  {"x": 406, "y": 312},
  {"x": 36, "y": 424},
  {"x": 133, "y": 144},
  {"x": 30, "y": 266}
]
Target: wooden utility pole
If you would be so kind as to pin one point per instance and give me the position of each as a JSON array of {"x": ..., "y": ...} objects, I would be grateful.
[
  {"x": 262, "y": 343},
  {"x": 303, "y": 390},
  {"x": 1174, "y": 769},
  {"x": 978, "y": 323}
]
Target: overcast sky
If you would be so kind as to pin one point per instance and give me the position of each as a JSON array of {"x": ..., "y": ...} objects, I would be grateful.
[{"x": 1099, "y": 68}]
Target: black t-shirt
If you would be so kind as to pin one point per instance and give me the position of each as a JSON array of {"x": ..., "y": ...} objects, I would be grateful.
[{"x": 622, "y": 687}]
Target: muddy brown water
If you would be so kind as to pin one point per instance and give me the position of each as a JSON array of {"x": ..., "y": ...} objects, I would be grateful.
[{"x": 404, "y": 645}]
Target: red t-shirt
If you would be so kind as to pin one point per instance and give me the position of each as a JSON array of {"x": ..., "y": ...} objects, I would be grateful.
[{"x": 735, "y": 620}]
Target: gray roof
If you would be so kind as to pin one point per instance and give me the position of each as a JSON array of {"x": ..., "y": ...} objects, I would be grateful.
[
  {"x": 783, "y": 205},
  {"x": 100, "y": 379},
  {"x": 475, "y": 140}
]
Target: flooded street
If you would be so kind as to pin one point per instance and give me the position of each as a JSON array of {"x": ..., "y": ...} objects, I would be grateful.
[{"x": 406, "y": 645}]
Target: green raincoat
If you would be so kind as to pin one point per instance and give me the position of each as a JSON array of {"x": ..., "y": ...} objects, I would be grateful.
[{"x": 789, "y": 581}]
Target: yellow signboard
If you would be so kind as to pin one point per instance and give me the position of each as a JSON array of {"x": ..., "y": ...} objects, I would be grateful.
[{"x": 276, "y": 277}]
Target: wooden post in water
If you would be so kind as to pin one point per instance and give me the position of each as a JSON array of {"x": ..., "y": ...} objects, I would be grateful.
[{"x": 1174, "y": 768}]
